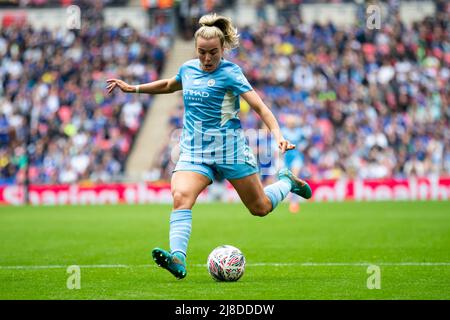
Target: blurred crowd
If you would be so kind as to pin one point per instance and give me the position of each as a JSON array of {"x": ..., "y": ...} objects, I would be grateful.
[
  {"x": 188, "y": 12},
  {"x": 57, "y": 3},
  {"x": 357, "y": 103},
  {"x": 53, "y": 102}
]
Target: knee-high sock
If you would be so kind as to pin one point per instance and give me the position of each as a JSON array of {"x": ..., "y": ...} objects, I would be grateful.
[
  {"x": 180, "y": 230},
  {"x": 278, "y": 191}
]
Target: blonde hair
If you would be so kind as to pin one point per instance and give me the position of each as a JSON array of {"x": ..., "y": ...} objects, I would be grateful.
[{"x": 213, "y": 26}]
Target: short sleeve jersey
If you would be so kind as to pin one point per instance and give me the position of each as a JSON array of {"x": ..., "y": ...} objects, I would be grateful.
[{"x": 211, "y": 127}]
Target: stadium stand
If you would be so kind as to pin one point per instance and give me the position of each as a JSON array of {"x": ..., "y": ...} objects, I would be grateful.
[
  {"x": 52, "y": 83},
  {"x": 58, "y": 3},
  {"x": 369, "y": 104}
]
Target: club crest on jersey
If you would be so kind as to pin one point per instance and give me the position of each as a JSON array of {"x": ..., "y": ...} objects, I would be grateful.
[{"x": 211, "y": 82}]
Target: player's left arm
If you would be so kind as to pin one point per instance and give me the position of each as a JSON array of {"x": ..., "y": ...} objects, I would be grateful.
[{"x": 256, "y": 103}]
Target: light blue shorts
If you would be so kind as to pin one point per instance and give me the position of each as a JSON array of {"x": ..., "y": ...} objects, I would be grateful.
[{"x": 218, "y": 171}]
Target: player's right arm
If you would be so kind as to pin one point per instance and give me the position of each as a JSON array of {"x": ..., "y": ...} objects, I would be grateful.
[{"x": 155, "y": 87}]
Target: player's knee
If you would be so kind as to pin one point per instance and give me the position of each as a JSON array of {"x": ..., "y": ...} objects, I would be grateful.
[
  {"x": 259, "y": 210},
  {"x": 182, "y": 200}
]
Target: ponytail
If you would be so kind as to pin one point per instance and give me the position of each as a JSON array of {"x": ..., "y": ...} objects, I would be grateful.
[{"x": 213, "y": 26}]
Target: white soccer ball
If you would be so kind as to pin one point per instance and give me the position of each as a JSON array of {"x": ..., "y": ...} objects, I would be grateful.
[{"x": 226, "y": 263}]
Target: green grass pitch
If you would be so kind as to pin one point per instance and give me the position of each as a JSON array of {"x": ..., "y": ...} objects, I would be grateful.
[{"x": 323, "y": 252}]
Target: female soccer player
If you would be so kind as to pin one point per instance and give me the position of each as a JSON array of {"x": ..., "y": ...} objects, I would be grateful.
[{"x": 212, "y": 141}]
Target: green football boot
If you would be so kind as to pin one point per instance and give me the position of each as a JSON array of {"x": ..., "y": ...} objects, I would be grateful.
[
  {"x": 299, "y": 186},
  {"x": 174, "y": 263}
]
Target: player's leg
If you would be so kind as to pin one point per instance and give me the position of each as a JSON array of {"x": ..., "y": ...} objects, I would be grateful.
[
  {"x": 299, "y": 187},
  {"x": 185, "y": 186},
  {"x": 260, "y": 201},
  {"x": 251, "y": 192}
]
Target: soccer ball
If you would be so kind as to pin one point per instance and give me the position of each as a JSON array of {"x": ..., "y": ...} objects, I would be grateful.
[{"x": 226, "y": 263}]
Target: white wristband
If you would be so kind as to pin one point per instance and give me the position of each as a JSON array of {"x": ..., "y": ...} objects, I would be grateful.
[{"x": 137, "y": 89}]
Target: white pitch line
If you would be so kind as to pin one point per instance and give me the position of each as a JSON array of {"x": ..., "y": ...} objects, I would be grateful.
[
  {"x": 65, "y": 266},
  {"x": 260, "y": 264},
  {"x": 343, "y": 264},
  {"x": 350, "y": 264}
]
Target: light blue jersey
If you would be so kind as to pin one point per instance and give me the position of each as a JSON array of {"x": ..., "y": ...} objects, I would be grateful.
[{"x": 212, "y": 131}]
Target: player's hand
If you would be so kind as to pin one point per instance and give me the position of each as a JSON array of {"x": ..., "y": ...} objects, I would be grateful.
[
  {"x": 122, "y": 85},
  {"x": 285, "y": 145}
]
